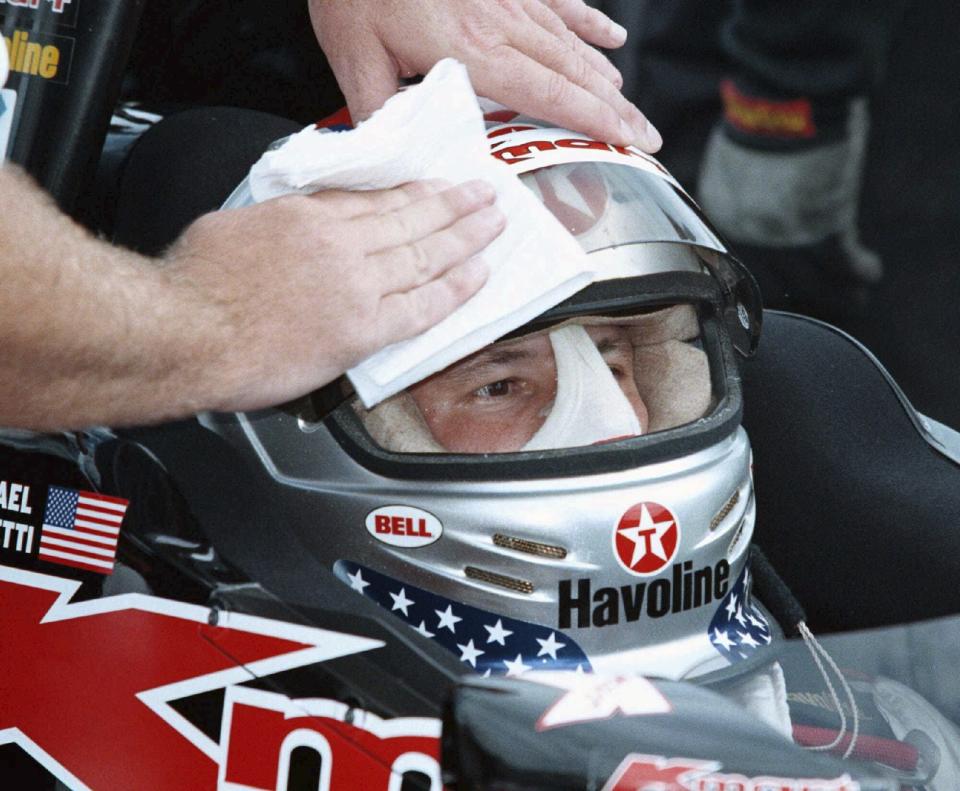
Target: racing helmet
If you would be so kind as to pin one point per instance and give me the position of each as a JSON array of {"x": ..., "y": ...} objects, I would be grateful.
[{"x": 577, "y": 495}]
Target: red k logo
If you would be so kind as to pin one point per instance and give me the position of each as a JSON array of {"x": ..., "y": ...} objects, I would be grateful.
[
  {"x": 357, "y": 748},
  {"x": 85, "y": 687}
]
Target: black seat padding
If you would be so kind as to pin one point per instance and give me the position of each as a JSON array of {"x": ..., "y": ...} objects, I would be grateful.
[
  {"x": 185, "y": 166},
  {"x": 858, "y": 513}
]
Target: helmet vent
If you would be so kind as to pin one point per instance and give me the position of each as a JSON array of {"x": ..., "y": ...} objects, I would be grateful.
[
  {"x": 520, "y": 586},
  {"x": 735, "y": 541},
  {"x": 530, "y": 547},
  {"x": 725, "y": 511}
]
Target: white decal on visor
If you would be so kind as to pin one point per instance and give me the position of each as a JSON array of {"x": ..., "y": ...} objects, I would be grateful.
[{"x": 527, "y": 148}]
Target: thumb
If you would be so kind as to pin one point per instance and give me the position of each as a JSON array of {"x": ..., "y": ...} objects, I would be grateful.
[{"x": 368, "y": 81}]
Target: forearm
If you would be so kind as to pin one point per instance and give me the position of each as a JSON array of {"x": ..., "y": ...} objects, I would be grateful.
[
  {"x": 251, "y": 307},
  {"x": 91, "y": 333}
]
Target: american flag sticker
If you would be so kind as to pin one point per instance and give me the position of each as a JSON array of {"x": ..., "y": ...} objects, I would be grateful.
[
  {"x": 739, "y": 628},
  {"x": 81, "y": 529},
  {"x": 491, "y": 644}
]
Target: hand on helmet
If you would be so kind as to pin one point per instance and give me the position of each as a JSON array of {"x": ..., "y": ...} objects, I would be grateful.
[
  {"x": 533, "y": 56},
  {"x": 308, "y": 286}
]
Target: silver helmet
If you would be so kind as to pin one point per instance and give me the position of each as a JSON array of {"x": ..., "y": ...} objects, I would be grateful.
[{"x": 579, "y": 493}]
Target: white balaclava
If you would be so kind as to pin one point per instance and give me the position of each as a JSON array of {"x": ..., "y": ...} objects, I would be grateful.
[{"x": 589, "y": 406}]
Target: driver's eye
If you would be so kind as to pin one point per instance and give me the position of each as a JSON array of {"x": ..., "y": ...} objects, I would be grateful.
[{"x": 494, "y": 389}]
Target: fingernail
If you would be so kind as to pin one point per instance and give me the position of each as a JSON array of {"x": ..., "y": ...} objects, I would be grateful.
[
  {"x": 619, "y": 32},
  {"x": 481, "y": 191},
  {"x": 476, "y": 268},
  {"x": 438, "y": 185},
  {"x": 651, "y": 139},
  {"x": 493, "y": 217},
  {"x": 642, "y": 133}
]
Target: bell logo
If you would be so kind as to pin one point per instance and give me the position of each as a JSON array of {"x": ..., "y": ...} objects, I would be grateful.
[
  {"x": 403, "y": 526},
  {"x": 646, "y": 539}
]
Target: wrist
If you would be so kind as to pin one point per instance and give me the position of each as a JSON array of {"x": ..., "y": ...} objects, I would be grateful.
[{"x": 203, "y": 374}]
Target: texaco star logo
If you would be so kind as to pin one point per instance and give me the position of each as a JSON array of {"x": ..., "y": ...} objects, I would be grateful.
[{"x": 646, "y": 539}]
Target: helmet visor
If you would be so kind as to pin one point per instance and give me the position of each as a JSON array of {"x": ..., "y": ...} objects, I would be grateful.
[
  {"x": 635, "y": 220},
  {"x": 607, "y": 206},
  {"x": 587, "y": 380}
]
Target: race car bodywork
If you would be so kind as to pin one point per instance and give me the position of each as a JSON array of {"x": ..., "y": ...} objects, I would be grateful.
[{"x": 169, "y": 667}]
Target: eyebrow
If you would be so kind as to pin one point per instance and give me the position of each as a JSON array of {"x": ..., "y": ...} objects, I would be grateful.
[
  {"x": 490, "y": 359},
  {"x": 612, "y": 344},
  {"x": 506, "y": 355},
  {"x": 607, "y": 345}
]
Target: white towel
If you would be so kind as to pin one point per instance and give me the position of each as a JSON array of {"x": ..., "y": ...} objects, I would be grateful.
[{"x": 436, "y": 130}]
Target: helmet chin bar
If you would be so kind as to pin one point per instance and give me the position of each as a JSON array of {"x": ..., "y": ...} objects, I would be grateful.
[{"x": 538, "y": 553}]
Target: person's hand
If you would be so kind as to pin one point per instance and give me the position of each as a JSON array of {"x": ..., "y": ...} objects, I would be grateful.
[
  {"x": 306, "y": 287},
  {"x": 532, "y": 56}
]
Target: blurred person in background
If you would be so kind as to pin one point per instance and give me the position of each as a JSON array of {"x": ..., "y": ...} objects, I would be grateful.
[{"x": 780, "y": 173}]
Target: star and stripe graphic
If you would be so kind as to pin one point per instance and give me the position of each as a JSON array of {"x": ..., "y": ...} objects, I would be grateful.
[
  {"x": 739, "y": 628},
  {"x": 81, "y": 529},
  {"x": 491, "y": 644}
]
